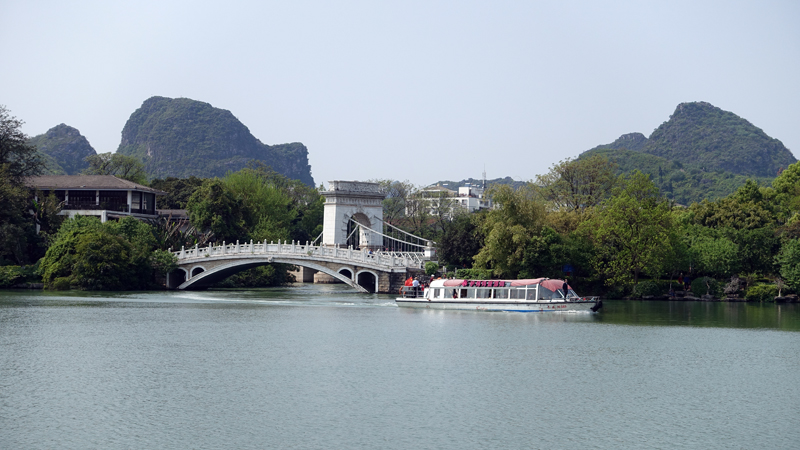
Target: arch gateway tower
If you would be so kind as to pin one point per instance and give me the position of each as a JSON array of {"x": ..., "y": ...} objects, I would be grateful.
[{"x": 353, "y": 201}]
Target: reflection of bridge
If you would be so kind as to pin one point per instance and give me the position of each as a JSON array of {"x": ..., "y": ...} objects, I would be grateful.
[{"x": 358, "y": 248}]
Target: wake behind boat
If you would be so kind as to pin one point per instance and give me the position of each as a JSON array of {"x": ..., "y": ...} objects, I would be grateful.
[{"x": 532, "y": 295}]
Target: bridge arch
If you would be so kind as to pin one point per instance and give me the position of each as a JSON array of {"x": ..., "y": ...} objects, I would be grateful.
[
  {"x": 177, "y": 277},
  {"x": 357, "y": 227},
  {"x": 223, "y": 271},
  {"x": 197, "y": 270},
  {"x": 368, "y": 279},
  {"x": 349, "y": 272}
]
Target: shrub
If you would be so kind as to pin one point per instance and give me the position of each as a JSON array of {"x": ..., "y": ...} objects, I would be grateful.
[
  {"x": 706, "y": 285},
  {"x": 13, "y": 275},
  {"x": 431, "y": 268},
  {"x": 616, "y": 291},
  {"x": 10, "y": 275},
  {"x": 761, "y": 293},
  {"x": 649, "y": 288},
  {"x": 60, "y": 284}
]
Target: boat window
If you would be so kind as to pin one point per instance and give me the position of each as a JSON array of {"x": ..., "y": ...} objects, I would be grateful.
[
  {"x": 546, "y": 294},
  {"x": 464, "y": 293},
  {"x": 531, "y": 294},
  {"x": 436, "y": 293},
  {"x": 517, "y": 293},
  {"x": 483, "y": 293},
  {"x": 501, "y": 293},
  {"x": 448, "y": 293}
]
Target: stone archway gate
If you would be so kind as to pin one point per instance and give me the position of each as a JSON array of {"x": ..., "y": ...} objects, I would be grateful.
[{"x": 204, "y": 266}]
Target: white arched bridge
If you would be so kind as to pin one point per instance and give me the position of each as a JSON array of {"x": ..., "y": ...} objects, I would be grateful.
[
  {"x": 365, "y": 270},
  {"x": 358, "y": 247}
]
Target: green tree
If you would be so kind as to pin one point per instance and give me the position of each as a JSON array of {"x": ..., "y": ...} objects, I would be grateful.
[
  {"x": 633, "y": 232},
  {"x": 266, "y": 209},
  {"x": 90, "y": 255},
  {"x": 718, "y": 257},
  {"x": 18, "y": 160},
  {"x": 214, "y": 208},
  {"x": 461, "y": 241},
  {"x": 508, "y": 229},
  {"x": 178, "y": 191},
  {"x": 122, "y": 166},
  {"x": 103, "y": 261},
  {"x": 305, "y": 201},
  {"x": 575, "y": 185},
  {"x": 788, "y": 261}
]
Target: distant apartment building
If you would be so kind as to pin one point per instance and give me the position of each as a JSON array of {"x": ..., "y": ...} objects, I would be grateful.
[{"x": 439, "y": 200}]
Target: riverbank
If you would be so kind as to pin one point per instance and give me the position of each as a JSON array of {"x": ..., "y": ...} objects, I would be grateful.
[{"x": 686, "y": 296}]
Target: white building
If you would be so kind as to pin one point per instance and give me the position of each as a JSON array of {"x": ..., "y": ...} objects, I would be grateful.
[{"x": 441, "y": 200}]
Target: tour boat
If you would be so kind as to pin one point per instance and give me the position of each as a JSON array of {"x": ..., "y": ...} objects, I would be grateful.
[{"x": 532, "y": 295}]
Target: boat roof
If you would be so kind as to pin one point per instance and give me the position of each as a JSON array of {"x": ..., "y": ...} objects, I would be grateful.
[{"x": 550, "y": 283}]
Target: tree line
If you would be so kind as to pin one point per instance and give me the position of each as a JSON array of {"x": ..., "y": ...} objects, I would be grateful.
[{"x": 615, "y": 235}]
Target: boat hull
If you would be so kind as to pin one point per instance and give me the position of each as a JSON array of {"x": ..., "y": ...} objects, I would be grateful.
[{"x": 522, "y": 306}]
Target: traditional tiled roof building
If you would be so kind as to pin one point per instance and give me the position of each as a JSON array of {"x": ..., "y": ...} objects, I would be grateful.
[{"x": 105, "y": 196}]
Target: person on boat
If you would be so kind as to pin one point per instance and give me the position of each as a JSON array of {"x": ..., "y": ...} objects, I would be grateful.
[
  {"x": 415, "y": 286},
  {"x": 565, "y": 288}
]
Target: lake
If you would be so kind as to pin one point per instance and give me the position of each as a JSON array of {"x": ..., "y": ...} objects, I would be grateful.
[{"x": 321, "y": 366}]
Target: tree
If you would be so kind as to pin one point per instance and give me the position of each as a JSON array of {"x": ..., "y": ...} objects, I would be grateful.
[
  {"x": 718, "y": 257},
  {"x": 394, "y": 205},
  {"x": 18, "y": 160},
  {"x": 575, "y": 185},
  {"x": 15, "y": 227},
  {"x": 509, "y": 228},
  {"x": 116, "y": 255},
  {"x": 443, "y": 210},
  {"x": 461, "y": 241},
  {"x": 122, "y": 166},
  {"x": 633, "y": 231},
  {"x": 788, "y": 261},
  {"x": 178, "y": 191},
  {"x": 266, "y": 209},
  {"x": 305, "y": 203},
  {"x": 214, "y": 208}
]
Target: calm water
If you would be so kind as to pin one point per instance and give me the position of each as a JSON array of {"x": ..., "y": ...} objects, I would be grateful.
[{"x": 322, "y": 367}]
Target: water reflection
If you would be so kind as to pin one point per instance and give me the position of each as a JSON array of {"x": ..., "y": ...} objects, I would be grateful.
[{"x": 784, "y": 317}]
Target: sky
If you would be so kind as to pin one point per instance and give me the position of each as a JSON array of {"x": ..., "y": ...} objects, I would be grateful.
[{"x": 416, "y": 91}]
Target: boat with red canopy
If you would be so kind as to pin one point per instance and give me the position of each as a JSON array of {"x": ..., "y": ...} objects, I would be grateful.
[{"x": 530, "y": 295}]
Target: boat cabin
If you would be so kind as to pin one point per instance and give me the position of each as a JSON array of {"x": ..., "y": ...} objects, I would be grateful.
[{"x": 531, "y": 289}]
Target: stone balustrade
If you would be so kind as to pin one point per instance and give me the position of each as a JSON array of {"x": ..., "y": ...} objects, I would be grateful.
[{"x": 310, "y": 252}]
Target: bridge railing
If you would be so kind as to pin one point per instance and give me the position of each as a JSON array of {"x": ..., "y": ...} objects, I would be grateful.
[{"x": 307, "y": 251}]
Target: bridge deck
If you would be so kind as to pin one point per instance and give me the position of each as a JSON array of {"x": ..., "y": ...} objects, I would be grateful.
[{"x": 380, "y": 259}]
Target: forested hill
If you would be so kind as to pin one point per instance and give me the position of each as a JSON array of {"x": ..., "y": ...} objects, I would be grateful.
[
  {"x": 183, "y": 137},
  {"x": 701, "y": 152},
  {"x": 64, "y": 149},
  {"x": 702, "y": 134}
]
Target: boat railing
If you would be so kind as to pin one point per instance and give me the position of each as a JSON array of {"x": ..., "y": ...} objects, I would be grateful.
[{"x": 412, "y": 292}]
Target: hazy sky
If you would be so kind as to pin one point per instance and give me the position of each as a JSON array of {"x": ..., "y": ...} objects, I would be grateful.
[{"x": 408, "y": 90}]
